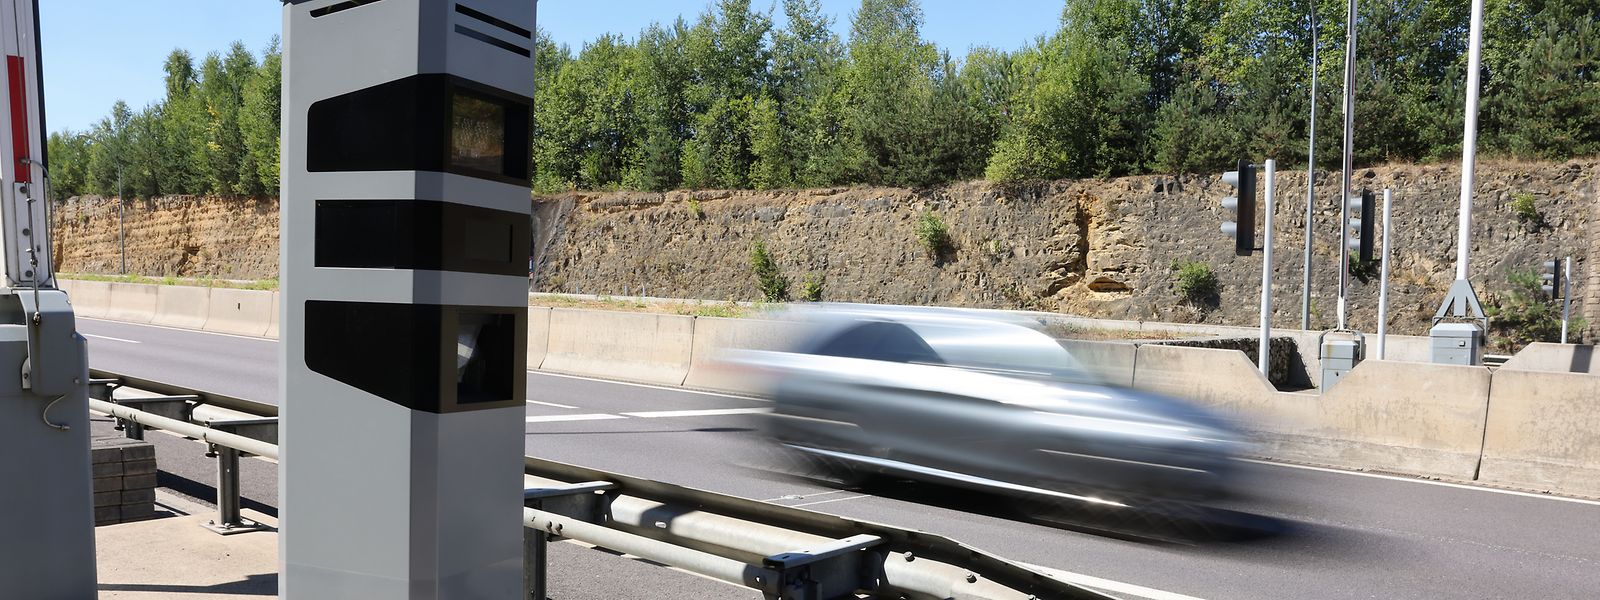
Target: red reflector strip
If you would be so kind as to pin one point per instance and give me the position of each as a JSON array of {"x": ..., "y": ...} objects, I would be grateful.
[{"x": 19, "y": 118}]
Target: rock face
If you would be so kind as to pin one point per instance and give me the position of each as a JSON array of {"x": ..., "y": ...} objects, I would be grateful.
[
  {"x": 185, "y": 236},
  {"x": 1103, "y": 248}
]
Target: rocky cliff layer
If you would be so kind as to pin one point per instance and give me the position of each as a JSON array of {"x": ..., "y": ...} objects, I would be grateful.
[
  {"x": 1104, "y": 248},
  {"x": 183, "y": 236}
]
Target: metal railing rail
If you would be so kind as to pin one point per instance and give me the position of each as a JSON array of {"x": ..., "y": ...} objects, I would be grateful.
[
  {"x": 233, "y": 429},
  {"x": 786, "y": 553}
]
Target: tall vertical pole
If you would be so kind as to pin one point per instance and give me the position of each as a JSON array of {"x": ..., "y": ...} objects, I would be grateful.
[
  {"x": 1349, "y": 146},
  {"x": 122, "y": 225},
  {"x": 1566, "y": 299},
  {"x": 1311, "y": 179},
  {"x": 1469, "y": 144},
  {"x": 1383, "y": 278},
  {"x": 1266, "y": 272}
]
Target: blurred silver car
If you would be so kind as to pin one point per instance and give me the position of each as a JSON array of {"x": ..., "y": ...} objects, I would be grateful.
[{"x": 981, "y": 399}]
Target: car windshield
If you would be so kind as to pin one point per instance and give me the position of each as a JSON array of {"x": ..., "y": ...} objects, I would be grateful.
[
  {"x": 1002, "y": 347},
  {"x": 879, "y": 340}
]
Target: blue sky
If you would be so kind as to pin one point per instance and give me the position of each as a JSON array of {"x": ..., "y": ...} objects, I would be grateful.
[{"x": 99, "y": 51}]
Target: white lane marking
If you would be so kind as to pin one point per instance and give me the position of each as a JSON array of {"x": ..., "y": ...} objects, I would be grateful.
[
  {"x": 1459, "y": 486},
  {"x": 829, "y": 500},
  {"x": 1112, "y": 586},
  {"x": 114, "y": 339},
  {"x": 232, "y": 335},
  {"x": 644, "y": 385},
  {"x": 550, "y": 404},
  {"x": 712, "y": 412},
  {"x": 554, "y": 418}
]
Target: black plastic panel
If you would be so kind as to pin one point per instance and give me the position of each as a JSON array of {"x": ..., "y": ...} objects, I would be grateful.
[
  {"x": 406, "y": 125},
  {"x": 408, "y": 353},
  {"x": 421, "y": 234}
]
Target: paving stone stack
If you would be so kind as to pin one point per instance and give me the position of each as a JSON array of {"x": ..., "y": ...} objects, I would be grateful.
[{"x": 124, "y": 479}]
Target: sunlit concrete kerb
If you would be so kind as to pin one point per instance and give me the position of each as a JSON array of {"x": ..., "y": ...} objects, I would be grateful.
[{"x": 403, "y": 320}]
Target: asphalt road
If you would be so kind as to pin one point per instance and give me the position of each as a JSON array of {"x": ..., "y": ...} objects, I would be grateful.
[{"x": 1347, "y": 535}]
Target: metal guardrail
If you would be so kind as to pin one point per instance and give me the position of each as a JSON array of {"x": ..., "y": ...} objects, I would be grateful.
[
  {"x": 785, "y": 553},
  {"x": 231, "y": 427}
]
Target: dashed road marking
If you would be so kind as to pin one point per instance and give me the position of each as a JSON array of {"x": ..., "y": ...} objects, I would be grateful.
[
  {"x": 589, "y": 417},
  {"x": 114, "y": 339},
  {"x": 541, "y": 403},
  {"x": 710, "y": 412}
]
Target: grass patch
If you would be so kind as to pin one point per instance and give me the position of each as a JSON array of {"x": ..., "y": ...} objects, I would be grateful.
[{"x": 210, "y": 282}]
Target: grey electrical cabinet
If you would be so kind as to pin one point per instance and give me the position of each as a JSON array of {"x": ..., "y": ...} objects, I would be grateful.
[
  {"x": 1339, "y": 357},
  {"x": 1457, "y": 344}
]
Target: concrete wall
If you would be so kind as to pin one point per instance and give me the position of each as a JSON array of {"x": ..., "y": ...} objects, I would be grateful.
[
  {"x": 1555, "y": 358},
  {"x": 1408, "y": 417},
  {"x": 1529, "y": 424},
  {"x": 713, "y": 336},
  {"x": 240, "y": 312},
  {"x": 1544, "y": 431},
  {"x": 181, "y": 306},
  {"x": 1112, "y": 362},
  {"x": 90, "y": 298},
  {"x": 538, "y": 335},
  {"x": 620, "y": 345},
  {"x": 132, "y": 302}
]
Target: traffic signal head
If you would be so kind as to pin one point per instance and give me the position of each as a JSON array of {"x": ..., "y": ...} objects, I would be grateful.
[
  {"x": 1361, "y": 225},
  {"x": 1550, "y": 279},
  {"x": 1243, "y": 207}
]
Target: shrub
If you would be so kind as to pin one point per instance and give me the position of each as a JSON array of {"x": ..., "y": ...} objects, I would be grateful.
[
  {"x": 1522, "y": 205},
  {"x": 694, "y": 209},
  {"x": 1196, "y": 282},
  {"x": 774, "y": 286},
  {"x": 811, "y": 289},
  {"x": 933, "y": 234},
  {"x": 1523, "y": 314}
]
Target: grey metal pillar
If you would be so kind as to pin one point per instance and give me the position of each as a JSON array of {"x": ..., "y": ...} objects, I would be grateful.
[
  {"x": 405, "y": 220},
  {"x": 46, "y": 508}
]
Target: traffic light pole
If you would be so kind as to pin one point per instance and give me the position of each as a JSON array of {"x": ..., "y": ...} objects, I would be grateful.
[
  {"x": 1311, "y": 180},
  {"x": 1349, "y": 145},
  {"x": 1265, "y": 350},
  {"x": 1383, "y": 278},
  {"x": 1566, "y": 299}
]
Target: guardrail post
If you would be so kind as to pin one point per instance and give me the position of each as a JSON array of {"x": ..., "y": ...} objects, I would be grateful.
[
  {"x": 228, "y": 519},
  {"x": 535, "y": 563}
]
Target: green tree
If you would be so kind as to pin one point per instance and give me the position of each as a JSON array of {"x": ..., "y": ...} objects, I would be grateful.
[
  {"x": 1078, "y": 113},
  {"x": 1548, "y": 105},
  {"x": 109, "y": 154},
  {"x": 889, "y": 91},
  {"x": 69, "y": 163},
  {"x": 728, "y": 56},
  {"x": 259, "y": 118},
  {"x": 659, "y": 87},
  {"x": 183, "y": 127}
]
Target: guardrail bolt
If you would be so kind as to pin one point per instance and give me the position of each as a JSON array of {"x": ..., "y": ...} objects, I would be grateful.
[
  {"x": 972, "y": 578},
  {"x": 910, "y": 557}
]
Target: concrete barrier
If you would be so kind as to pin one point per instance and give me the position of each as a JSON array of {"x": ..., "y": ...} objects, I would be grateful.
[
  {"x": 714, "y": 335},
  {"x": 1415, "y": 418},
  {"x": 1544, "y": 431},
  {"x": 1112, "y": 362},
  {"x": 538, "y": 335},
  {"x": 276, "y": 312},
  {"x": 636, "y": 346},
  {"x": 91, "y": 298},
  {"x": 132, "y": 302},
  {"x": 1555, "y": 358},
  {"x": 241, "y": 312},
  {"x": 181, "y": 306}
]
